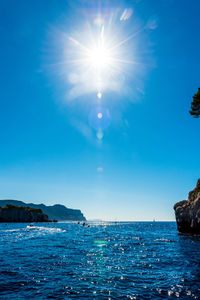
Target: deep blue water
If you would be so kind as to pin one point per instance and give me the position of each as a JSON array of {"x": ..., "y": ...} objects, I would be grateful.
[{"x": 139, "y": 260}]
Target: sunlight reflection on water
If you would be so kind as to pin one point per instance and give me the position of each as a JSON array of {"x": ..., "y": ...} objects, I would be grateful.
[{"x": 138, "y": 260}]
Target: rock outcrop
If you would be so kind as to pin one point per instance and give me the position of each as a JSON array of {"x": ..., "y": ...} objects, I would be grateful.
[
  {"x": 54, "y": 212},
  {"x": 187, "y": 212},
  {"x": 13, "y": 213}
]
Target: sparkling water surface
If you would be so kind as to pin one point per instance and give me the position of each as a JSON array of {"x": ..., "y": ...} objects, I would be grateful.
[{"x": 136, "y": 260}]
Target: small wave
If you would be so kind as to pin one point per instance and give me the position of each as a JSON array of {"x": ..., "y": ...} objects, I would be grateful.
[
  {"x": 163, "y": 240},
  {"x": 12, "y": 230}
]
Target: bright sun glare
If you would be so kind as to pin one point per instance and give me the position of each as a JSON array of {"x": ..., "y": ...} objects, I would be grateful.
[
  {"x": 99, "y": 57},
  {"x": 98, "y": 61}
]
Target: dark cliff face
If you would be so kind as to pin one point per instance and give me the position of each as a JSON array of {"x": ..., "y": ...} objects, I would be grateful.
[
  {"x": 58, "y": 212},
  {"x": 187, "y": 212},
  {"x": 13, "y": 213}
]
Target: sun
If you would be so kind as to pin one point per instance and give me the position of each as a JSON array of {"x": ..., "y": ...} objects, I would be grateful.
[
  {"x": 96, "y": 55},
  {"x": 99, "y": 57}
]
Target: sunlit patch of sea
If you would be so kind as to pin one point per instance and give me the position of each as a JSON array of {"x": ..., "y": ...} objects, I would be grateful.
[{"x": 136, "y": 260}]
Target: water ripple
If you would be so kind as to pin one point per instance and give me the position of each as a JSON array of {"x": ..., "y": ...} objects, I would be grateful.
[{"x": 106, "y": 261}]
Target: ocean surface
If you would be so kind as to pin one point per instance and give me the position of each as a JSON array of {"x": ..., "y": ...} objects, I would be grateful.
[{"x": 136, "y": 260}]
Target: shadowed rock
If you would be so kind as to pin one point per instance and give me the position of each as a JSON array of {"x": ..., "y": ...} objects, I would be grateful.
[
  {"x": 13, "y": 213},
  {"x": 187, "y": 212}
]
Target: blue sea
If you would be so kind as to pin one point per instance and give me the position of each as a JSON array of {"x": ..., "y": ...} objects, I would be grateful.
[{"x": 134, "y": 260}]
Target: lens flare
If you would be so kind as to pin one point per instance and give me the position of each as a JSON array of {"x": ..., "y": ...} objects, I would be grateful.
[
  {"x": 99, "y": 95},
  {"x": 99, "y": 118},
  {"x": 99, "y": 169},
  {"x": 99, "y": 115},
  {"x": 99, "y": 134}
]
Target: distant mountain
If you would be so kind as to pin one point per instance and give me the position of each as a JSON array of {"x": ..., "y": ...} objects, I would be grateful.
[{"x": 57, "y": 211}]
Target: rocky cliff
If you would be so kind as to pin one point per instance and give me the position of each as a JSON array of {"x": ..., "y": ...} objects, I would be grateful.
[
  {"x": 57, "y": 211},
  {"x": 13, "y": 213},
  {"x": 187, "y": 212}
]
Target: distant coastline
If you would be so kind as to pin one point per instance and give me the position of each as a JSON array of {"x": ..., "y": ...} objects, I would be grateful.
[{"x": 54, "y": 212}]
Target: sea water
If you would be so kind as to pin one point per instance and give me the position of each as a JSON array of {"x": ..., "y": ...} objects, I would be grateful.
[{"x": 135, "y": 260}]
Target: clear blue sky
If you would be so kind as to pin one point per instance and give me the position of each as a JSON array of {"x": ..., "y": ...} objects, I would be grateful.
[{"x": 148, "y": 158}]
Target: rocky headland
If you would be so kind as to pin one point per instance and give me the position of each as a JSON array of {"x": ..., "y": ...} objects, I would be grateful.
[
  {"x": 55, "y": 212},
  {"x": 13, "y": 213},
  {"x": 187, "y": 212}
]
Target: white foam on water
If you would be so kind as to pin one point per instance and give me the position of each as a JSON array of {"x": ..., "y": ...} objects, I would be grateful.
[
  {"x": 12, "y": 230},
  {"x": 44, "y": 229}
]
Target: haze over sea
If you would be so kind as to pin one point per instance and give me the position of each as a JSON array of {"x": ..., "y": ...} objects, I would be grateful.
[{"x": 132, "y": 260}]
